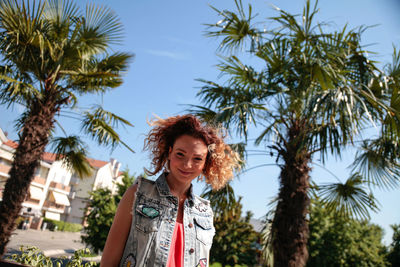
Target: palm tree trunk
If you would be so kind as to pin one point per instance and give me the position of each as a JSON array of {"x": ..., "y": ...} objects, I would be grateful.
[
  {"x": 290, "y": 226},
  {"x": 32, "y": 142}
]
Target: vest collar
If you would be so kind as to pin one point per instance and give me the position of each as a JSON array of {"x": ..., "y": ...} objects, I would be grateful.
[{"x": 164, "y": 190}]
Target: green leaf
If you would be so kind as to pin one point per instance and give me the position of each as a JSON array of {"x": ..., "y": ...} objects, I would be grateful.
[
  {"x": 349, "y": 198},
  {"x": 99, "y": 124},
  {"x": 72, "y": 152}
]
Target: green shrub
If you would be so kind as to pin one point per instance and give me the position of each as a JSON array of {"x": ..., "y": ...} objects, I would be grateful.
[
  {"x": 62, "y": 226},
  {"x": 18, "y": 221},
  {"x": 217, "y": 264},
  {"x": 32, "y": 256}
]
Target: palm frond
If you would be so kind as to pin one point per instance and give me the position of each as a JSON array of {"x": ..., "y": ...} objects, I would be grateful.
[
  {"x": 236, "y": 106},
  {"x": 206, "y": 114},
  {"x": 21, "y": 27},
  {"x": 348, "y": 199},
  {"x": 101, "y": 27},
  {"x": 241, "y": 75},
  {"x": 378, "y": 162},
  {"x": 391, "y": 126},
  {"x": 58, "y": 14},
  {"x": 235, "y": 29},
  {"x": 72, "y": 152},
  {"x": 99, "y": 75},
  {"x": 100, "y": 124},
  {"x": 15, "y": 90}
]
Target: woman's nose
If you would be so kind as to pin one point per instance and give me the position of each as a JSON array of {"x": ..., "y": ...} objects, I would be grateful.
[{"x": 188, "y": 164}]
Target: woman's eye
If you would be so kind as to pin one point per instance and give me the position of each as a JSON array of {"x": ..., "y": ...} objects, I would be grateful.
[
  {"x": 179, "y": 154},
  {"x": 198, "y": 159}
]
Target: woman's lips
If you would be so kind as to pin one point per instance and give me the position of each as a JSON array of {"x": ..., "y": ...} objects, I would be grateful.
[{"x": 185, "y": 173}]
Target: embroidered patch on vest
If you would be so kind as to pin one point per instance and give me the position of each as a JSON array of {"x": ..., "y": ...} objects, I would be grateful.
[
  {"x": 150, "y": 212},
  {"x": 130, "y": 261},
  {"x": 201, "y": 207},
  {"x": 202, "y": 263}
]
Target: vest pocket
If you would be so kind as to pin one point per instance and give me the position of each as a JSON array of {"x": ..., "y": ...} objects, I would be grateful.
[
  {"x": 147, "y": 218},
  {"x": 204, "y": 230}
]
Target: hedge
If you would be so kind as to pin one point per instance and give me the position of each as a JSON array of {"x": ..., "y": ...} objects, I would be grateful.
[{"x": 62, "y": 226}]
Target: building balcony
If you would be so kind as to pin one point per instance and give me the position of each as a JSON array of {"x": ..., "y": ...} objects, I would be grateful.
[
  {"x": 55, "y": 185},
  {"x": 53, "y": 206},
  {"x": 32, "y": 201},
  {"x": 39, "y": 180},
  {"x": 4, "y": 168}
]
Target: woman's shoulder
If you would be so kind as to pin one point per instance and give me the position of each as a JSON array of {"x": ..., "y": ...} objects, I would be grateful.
[
  {"x": 130, "y": 193},
  {"x": 140, "y": 180}
]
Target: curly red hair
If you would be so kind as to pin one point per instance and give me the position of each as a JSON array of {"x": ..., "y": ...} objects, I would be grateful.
[{"x": 220, "y": 162}]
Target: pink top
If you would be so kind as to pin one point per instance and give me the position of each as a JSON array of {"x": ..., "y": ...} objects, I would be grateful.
[{"x": 175, "y": 257}]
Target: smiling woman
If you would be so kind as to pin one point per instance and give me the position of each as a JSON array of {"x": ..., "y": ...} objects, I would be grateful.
[{"x": 162, "y": 223}]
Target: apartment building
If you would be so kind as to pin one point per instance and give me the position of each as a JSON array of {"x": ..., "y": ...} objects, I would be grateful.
[
  {"x": 55, "y": 192},
  {"x": 105, "y": 175}
]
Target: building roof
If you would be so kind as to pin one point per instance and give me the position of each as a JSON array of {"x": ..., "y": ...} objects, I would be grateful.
[
  {"x": 97, "y": 163},
  {"x": 11, "y": 144},
  {"x": 51, "y": 157}
]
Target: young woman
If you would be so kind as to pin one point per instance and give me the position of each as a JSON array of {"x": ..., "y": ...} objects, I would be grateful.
[{"x": 162, "y": 223}]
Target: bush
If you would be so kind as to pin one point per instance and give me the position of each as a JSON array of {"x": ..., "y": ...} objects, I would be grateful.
[
  {"x": 32, "y": 256},
  {"x": 217, "y": 264},
  {"x": 19, "y": 221},
  {"x": 62, "y": 226}
]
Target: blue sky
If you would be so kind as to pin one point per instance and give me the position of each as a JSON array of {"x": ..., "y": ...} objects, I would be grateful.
[{"x": 171, "y": 51}]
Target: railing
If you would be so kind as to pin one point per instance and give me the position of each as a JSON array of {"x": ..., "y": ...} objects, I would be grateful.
[
  {"x": 39, "y": 180},
  {"x": 60, "y": 186},
  {"x": 4, "y": 168},
  {"x": 52, "y": 205}
]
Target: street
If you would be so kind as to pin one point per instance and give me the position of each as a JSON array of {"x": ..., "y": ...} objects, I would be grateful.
[{"x": 53, "y": 244}]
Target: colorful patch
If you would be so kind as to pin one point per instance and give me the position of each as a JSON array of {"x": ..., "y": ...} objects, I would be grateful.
[
  {"x": 130, "y": 261},
  {"x": 150, "y": 212},
  {"x": 202, "y": 263}
]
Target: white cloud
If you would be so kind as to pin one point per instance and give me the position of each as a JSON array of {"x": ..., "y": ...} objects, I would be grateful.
[{"x": 169, "y": 54}]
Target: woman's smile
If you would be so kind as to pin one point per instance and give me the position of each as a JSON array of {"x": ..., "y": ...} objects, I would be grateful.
[{"x": 187, "y": 158}]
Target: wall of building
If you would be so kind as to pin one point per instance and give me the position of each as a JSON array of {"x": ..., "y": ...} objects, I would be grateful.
[
  {"x": 53, "y": 176},
  {"x": 84, "y": 185},
  {"x": 75, "y": 213}
]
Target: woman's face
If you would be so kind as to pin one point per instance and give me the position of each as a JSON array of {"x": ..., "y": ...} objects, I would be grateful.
[{"x": 187, "y": 158}]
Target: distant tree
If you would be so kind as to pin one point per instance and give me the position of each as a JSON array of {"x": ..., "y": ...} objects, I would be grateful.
[
  {"x": 339, "y": 241},
  {"x": 310, "y": 91},
  {"x": 100, "y": 215},
  {"x": 235, "y": 241},
  {"x": 101, "y": 211},
  {"x": 394, "y": 250},
  {"x": 127, "y": 181},
  {"x": 51, "y": 53}
]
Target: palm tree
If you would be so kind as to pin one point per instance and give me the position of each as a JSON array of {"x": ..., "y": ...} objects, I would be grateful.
[
  {"x": 51, "y": 53},
  {"x": 314, "y": 93}
]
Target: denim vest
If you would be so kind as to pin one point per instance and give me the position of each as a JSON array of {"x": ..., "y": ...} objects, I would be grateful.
[{"x": 153, "y": 221}]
